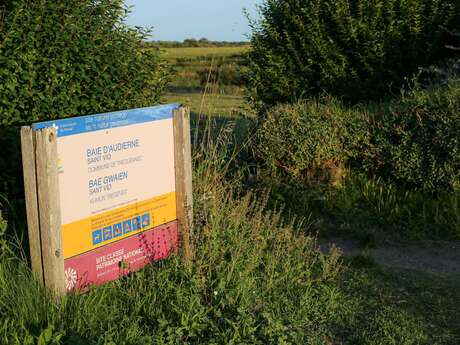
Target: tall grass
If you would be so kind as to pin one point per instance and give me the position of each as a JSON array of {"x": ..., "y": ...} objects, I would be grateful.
[
  {"x": 373, "y": 204},
  {"x": 254, "y": 278},
  {"x": 244, "y": 259}
]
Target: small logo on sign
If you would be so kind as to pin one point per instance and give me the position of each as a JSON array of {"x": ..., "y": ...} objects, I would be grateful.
[
  {"x": 146, "y": 220},
  {"x": 97, "y": 237},
  {"x": 127, "y": 226},
  {"x": 107, "y": 233},
  {"x": 117, "y": 230},
  {"x": 70, "y": 278},
  {"x": 136, "y": 221}
]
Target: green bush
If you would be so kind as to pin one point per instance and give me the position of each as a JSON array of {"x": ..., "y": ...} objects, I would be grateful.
[
  {"x": 412, "y": 141},
  {"x": 415, "y": 140},
  {"x": 355, "y": 49},
  {"x": 311, "y": 140},
  {"x": 63, "y": 58}
]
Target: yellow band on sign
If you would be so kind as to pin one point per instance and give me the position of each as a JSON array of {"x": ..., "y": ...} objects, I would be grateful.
[{"x": 97, "y": 231}]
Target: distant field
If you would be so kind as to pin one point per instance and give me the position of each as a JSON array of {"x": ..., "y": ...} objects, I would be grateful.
[
  {"x": 177, "y": 53},
  {"x": 211, "y": 104},
  {"x": 208, "y": 79}
]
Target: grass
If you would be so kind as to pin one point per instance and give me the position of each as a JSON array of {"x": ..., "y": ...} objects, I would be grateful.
[
  {"x": 254, "y": 278},
  {"x": 371, "y": 209},
  {"x": 431, "y": 300},
  {"x": 210, "y": 104}
]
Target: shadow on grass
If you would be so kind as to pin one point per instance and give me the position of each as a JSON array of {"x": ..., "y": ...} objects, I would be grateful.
[
  {"x": 432, "y": 299},
  {"x": 184, "y": 89},
  {"x": 369, "y": 209}
]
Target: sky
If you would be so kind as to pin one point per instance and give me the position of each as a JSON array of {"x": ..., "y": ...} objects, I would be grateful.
[{"x": 176, "y": 20}]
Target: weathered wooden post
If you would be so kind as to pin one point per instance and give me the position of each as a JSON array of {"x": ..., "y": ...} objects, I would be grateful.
[
  {"x": 183, "y": 167},
  {"x": 31, "y": 196}
]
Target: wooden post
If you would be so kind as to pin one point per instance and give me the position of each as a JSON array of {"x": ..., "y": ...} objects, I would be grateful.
[
  {"x": 30, "y": 187},
  {"x": 183, "y": 169},
  {"x": 50, "y": 210}
]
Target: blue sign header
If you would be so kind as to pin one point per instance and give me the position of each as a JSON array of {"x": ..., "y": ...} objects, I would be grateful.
[{"x": 97, "y": 122}]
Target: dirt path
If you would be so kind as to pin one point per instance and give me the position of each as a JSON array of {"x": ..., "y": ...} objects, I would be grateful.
[{"x": 429, "y": 256}]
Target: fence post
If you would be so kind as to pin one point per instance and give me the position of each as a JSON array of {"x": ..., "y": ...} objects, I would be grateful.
[
  {"x": 183, "y": 171},
  {"x": 30, "y": 188},
  {"x": 49, "y": 209}
]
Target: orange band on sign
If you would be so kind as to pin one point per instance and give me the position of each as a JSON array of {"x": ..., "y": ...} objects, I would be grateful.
[{"x": 111, "y": 226}]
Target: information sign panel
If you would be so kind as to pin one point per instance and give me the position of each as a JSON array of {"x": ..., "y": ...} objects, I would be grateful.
[{"x": 116, "y": 186}]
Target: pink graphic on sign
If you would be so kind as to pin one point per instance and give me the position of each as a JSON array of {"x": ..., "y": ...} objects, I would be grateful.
[{"x": 118, "y": 259}]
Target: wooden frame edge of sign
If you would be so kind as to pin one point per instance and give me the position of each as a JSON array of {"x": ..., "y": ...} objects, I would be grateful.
[
  {"x": 30, "y": 189},
  {"x": 49, "y": 209},
  {"x": 183, "y": 175}
]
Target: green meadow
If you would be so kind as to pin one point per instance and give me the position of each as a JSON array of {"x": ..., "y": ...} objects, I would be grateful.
[{"x": 318, "y": 220}]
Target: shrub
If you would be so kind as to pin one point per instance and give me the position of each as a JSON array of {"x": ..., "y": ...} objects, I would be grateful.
[
  {"x": 411, "y": 141},
  {"x": 310, "y": 140},
  {"x": 415, "y": 140},
  {"x": 61, "y": 58},
  {"x": 355, "y": 49}
]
